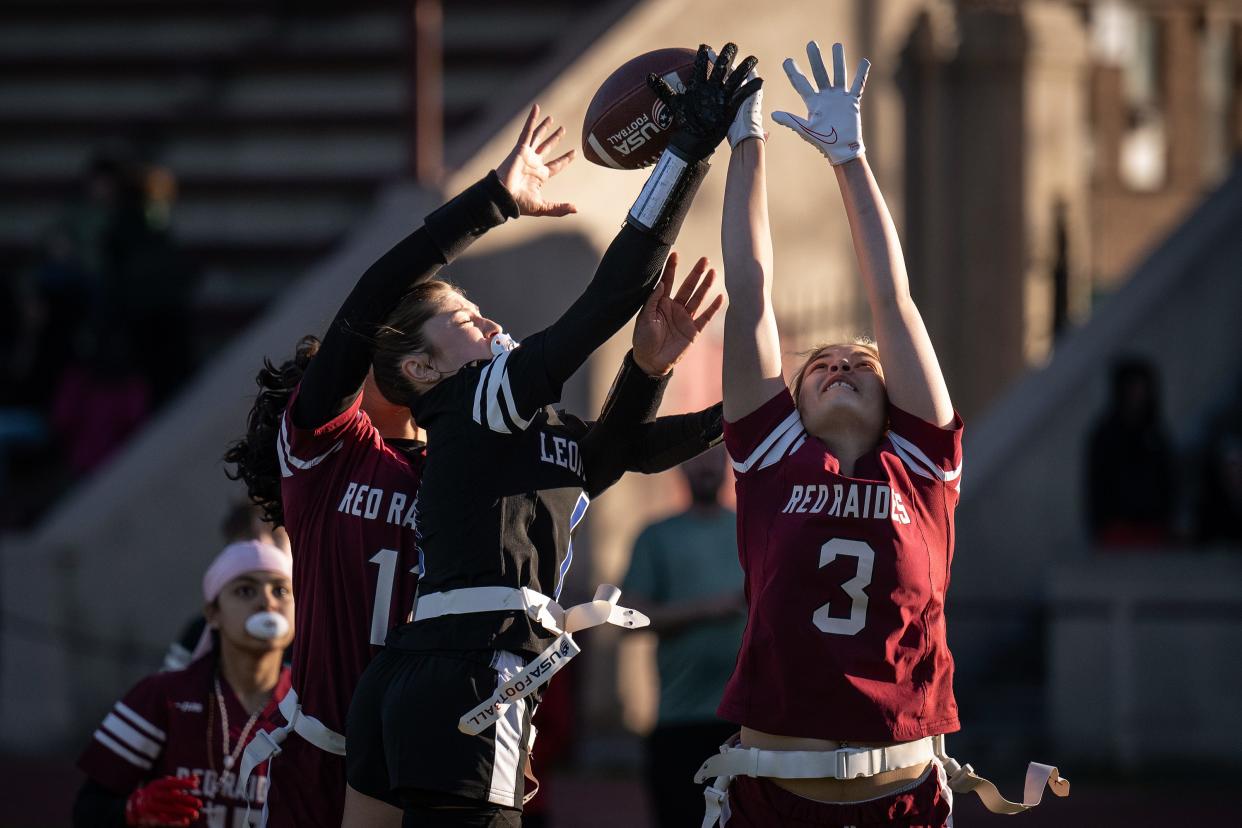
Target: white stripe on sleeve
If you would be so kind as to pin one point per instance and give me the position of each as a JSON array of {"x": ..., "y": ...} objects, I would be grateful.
[
  {"x": 121, "y": 751},
  {"x": 909, "y": 452},
  {"x": 911, "y": 464},
  {"x": 120, "y": 730},
  {"x": 518, "y": 420},
  {"x": 284, "y": 451},
  {"x": 139, "y": 722},
  {"x": 478, "y": 394},
  {"x": 789, "y": 425},
  {"x": 495, "y": 419}
]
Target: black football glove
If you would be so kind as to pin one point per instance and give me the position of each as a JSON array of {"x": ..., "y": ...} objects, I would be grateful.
[{"x": 703, "y": 113}]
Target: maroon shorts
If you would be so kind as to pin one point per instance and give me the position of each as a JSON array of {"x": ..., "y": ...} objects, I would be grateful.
[
  {"x": 760, "y": 803},
  {"x": 308, "y": 787}
]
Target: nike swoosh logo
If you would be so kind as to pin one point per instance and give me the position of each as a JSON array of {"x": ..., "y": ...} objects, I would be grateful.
[{"x": 830, "y": 138}]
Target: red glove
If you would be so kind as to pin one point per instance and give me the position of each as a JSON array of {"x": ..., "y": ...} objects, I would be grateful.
[{"x": 164, "y": 802}]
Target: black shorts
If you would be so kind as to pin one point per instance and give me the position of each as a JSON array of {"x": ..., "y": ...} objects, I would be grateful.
[{"x": 402, "y": 734}]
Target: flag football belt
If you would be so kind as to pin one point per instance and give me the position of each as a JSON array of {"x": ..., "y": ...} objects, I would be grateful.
[
  {"x": 855, "y": 763},
  {"x": 542, "y": 610},
  {"x": 266, "y": 744}
]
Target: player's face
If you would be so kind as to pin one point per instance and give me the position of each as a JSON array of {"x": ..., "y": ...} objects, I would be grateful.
[
  {"x": 843, "y": 386},
  {"x": 459, "y": 333},
  {"x": 246, "y": 596}
]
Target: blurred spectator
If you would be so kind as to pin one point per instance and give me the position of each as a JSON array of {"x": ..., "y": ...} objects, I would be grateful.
[
  {"x": 137, "y": 279},
  {"x": 1131, "y": 486},
  {"x": 53, "y": 301},
  {"x": 100, "y": 401},
  {"x": 685, "y": 575},
  {"x": 98, "y": 332},
  {"x": 1220, "y": 502}
]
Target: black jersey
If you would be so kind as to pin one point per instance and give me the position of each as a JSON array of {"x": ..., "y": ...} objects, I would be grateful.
[
  {"x": 511, "y": 478},
  {"x": 508, "y": 477}
]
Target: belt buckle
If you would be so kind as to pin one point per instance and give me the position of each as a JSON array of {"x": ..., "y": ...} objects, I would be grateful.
[
  {"x": 842, "y": 755},
  {"x": 534, "y": 602},
  {"x": 271, "y": 742}
]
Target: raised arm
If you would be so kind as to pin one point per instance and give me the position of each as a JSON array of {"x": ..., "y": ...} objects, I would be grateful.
[
  {"x": 628, "y": 436},
  {"x": 624, "y": 280},
  {"x": 752, "y": 350},
  {"x": 334, "y": 377},
  {"x": 912, "y": 373}
]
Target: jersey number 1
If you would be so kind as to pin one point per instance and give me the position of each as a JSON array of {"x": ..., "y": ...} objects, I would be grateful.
[
  {"x": 854, "y": 587},
  {"x": 387, "y": 560}
]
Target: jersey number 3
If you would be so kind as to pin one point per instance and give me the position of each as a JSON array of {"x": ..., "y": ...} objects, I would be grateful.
[{"x": 829, "y": 552}]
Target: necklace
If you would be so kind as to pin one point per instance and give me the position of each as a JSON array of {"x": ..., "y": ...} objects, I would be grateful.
[{"x": 230, "y": 756}]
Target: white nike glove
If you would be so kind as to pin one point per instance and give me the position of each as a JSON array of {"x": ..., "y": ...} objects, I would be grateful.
[
  {"x": 748, "y": 123},
  {"x": 833, "y": 124}
]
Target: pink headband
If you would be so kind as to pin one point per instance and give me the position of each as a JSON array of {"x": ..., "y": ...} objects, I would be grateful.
[{"x": 240, "y": 558}]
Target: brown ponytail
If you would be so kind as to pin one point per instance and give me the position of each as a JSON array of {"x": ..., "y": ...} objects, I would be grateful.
[{"x": 254, "y": 456}]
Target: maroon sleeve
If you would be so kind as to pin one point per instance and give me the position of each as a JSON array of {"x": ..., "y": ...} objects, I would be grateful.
[
  {"x": 764, "y": 436},
  {"x": 926, "y": 449},
  {"x": 127, "y": 744},
  {"x": 302, "y": 449}
]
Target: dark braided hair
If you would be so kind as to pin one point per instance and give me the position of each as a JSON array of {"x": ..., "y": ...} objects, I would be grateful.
[{"x": 254, "y": 456}]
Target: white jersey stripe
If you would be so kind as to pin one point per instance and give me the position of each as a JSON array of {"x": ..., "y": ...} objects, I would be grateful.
[
  {"x": 507, "y": 756},
  {"x": 478, "y": 395},
  {"x": 507, "y": 390},
  {"x": 761, "y": 450},
  {"x": 139, "y": 722},
  {"x": 285, "y": 471},
  {"x": 912, "y": 449},
  {"x": 112, "y": 745},
  {"x": 911, "y": 464},
  {"x": 782, "y": 447},
  {"x": 120, "y": 730},
  {"x": 282, "y": 446},
  {"x": 495, "y": 419}
]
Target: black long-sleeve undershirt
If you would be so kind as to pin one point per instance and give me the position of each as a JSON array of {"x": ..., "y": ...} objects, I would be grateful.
[
  {"x": 648, "y": 448},
  {"x": 334, "y": 378},
  {"x": 628, "y": 437}
]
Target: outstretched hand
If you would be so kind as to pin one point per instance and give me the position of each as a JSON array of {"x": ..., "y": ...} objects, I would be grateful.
[
  {"x": 667, "y": 325},
  {"x": 703, "y": 112},
  {"x": 833, "y": 123},
  {"x": 526, "y": 169}
]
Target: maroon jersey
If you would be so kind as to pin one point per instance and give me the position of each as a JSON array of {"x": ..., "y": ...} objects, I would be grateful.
[
  {"x": 845, "y": 579},
  {"x": 349, "y": 504},
  {"x": 169, "y": 724}
]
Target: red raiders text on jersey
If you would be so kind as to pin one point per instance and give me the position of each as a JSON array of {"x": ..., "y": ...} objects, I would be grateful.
[
  {"x": 350, "y": 503},
  {"x": 845, "y": 579},
  {"x": 167, "y": 726}
]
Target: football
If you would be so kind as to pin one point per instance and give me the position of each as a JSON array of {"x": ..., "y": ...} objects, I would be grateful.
[{"x": 626, "y": 125}]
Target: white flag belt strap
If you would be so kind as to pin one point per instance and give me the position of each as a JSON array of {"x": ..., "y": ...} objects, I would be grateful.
[
  {"x": 541, "y": 608},
  {"x": 844, "y": 763},
  {"x": 266, "y": 744},
  {"x": 961, "y": 778}
]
